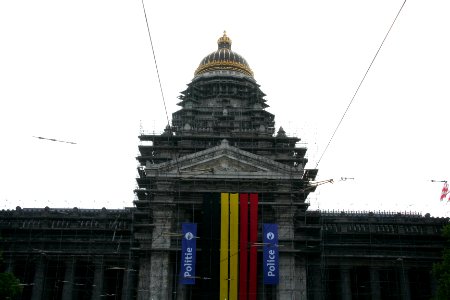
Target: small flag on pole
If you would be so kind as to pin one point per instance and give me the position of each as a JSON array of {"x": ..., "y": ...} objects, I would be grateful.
[{"x": 444, "y": 191}]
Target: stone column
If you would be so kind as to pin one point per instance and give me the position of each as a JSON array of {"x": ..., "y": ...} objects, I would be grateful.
[
  {"x": 181, "y": 292},
  {"x": 375, "y": 283},
  {"x": 69, "y": 279},
  {"x": 292, "y": 278},
  {"x": 128, "y": 284},
  {"x": 160, "y": 287},
  {"x": 300, "y": 291},
  {"x": 144, "y": 278},
  {"x": 316, "y": 284},
  {"x": 404, "y": 283},
  {"x": 38, "y": 281},
  {"x": 154, "y": 281},
  {"x": 288, "y": 287},
  {"x": 97, "y": 287},
  {"x": 346, "y": 283},
  {"x": 434, "y": 285},
  {"x": 9, "y": 265},
  {"x": 159, "y": 276}
]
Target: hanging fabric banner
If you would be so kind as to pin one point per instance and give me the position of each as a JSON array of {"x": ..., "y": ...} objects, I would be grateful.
[
  {"x": 270, "y": 254},
  {"x": 253, "y": 239},
  {"x": 243, "y": 246},
  {"x": 234, "y": 246},
  {"x": 224, "y": 246},
  {"x": 188, "y": 250}
]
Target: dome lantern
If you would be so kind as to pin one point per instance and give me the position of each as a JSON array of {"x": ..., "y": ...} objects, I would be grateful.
[{"x": 224, "y": 41}]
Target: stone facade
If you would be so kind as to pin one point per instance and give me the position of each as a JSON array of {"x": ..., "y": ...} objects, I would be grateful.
[
  {"x": 221, "y": 140},
  {"x": 69, "y": 253},
  {"x": 96, "y": 254}
]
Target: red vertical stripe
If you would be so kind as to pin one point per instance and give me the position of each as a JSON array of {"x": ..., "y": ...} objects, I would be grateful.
[
  {"x": 253, "y": 240},
  {"x": 243, "y": 245}
]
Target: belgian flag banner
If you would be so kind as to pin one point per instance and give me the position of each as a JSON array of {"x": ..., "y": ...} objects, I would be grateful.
[
  {"x": 229, "y": 242},
  {"x": 238, "y": 241}
]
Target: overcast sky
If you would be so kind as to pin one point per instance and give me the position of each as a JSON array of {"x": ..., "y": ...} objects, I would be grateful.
[{"x": 83, "y": 71}]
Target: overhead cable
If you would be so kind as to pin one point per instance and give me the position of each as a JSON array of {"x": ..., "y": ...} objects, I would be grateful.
[
  {"x": 156, "y": 64},
  {"x": 53, "y": 140},
  {"x": 362, "y": 80}
]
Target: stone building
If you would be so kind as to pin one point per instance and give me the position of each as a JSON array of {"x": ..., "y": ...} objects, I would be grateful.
[{"x": 221, "y": 143}]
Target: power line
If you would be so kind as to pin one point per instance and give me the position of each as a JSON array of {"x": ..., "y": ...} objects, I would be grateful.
[
  {"x": 53, "y": 140},
  {"x": 362, "y": 80},
  {"x": 156, "y": 64},
  {"x": 160, "y": 85}
]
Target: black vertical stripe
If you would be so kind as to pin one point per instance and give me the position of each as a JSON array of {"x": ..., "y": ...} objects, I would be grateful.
[
  {"x": 215, "y": 255},
  {"x": 209, "y": 243}
]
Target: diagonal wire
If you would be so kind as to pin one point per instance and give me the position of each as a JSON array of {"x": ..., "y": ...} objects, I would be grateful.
[
  {"x": 160, "y": 85},
  {"x": 54, "y": 140},
  {"x": 156, "y": 64},
  {"x": 362, "y": 80}
]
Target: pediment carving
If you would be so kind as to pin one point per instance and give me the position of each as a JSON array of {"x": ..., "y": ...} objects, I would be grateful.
[
  {"x": 224, "y": 163},
  {"x": 223, "y": 160}
]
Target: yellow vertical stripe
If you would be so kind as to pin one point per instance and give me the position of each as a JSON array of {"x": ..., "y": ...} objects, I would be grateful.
[
  {"x": 234, "y": 242},
  {"x": 224, "y": 225}
]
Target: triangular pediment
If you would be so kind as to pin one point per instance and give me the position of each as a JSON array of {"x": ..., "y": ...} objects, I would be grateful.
[
  {"x": 224, "y": 163},
  {"x": 223, "y": 160}
]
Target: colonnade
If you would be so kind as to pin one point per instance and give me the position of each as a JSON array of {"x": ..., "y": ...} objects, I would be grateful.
[
  {"x": 63, "y": 282},
  {"x": 343, "y": 286}
]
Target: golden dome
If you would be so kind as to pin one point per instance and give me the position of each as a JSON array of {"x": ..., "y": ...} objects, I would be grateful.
[{"x": 224, "y": 59}]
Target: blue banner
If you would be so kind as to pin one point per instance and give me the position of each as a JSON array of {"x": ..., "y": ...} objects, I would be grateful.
[
  {"x": 270, "y": 254},
  {"x": 188, "y": 250}
]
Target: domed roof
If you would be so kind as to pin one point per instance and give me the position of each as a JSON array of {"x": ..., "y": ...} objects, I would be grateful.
[{"x": 224, "y": 59}]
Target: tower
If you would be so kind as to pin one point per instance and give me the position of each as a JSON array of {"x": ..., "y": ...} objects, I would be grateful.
[{"x": 222, "y": 140}]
